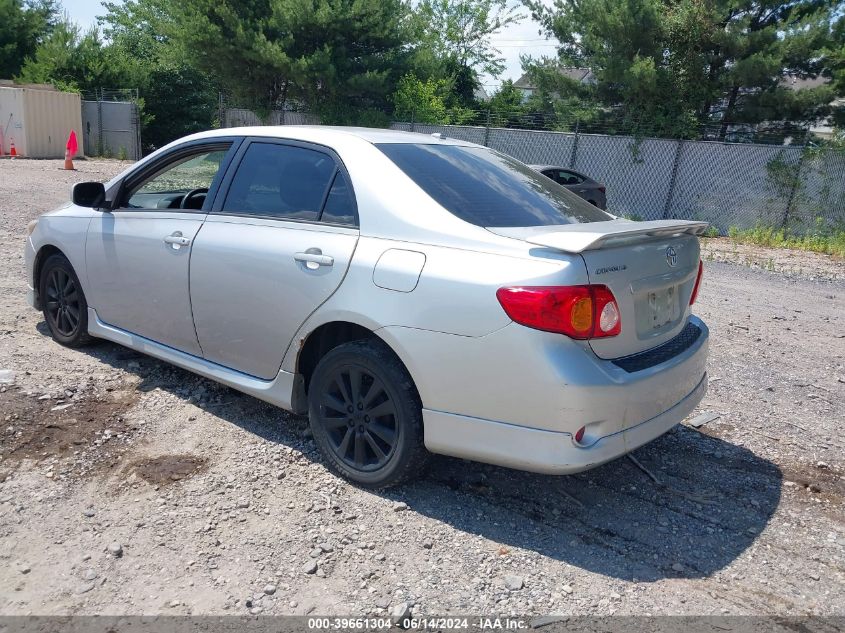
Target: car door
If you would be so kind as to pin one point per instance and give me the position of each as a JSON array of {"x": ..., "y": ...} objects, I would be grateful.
[
  {"x": 137, "y": 253},
  {"x": 275, "y": 246}
]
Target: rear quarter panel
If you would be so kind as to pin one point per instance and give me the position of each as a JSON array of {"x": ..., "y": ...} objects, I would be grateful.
[{"x": 455, "y": 295}]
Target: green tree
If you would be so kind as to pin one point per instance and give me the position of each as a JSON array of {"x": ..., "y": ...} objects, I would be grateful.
[
  {"x": 23, "y": 25},
  {"x": 669, "y": 66},
  {"x": 327, "y": 54},
  {"x": 560, "y": 102},
  {"x": 178, "y": 99},
  {"x": 452, "y": 40},
  {"x": 508, "y": 98},
  {"x": 836, "y": 69},
  {"x": 70, "y": 60},
  {"x": 420, "y": 101},
  {"x": 461, "y": 30},
  {"x": 506, "y": 106}
]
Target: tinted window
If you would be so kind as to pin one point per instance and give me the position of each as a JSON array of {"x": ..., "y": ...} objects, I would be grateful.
[
  {"x": 489, "y": 189},
  {"x": 568, "y": 178},
  {"x": 339, "y": 207},
  {"x": 280, "y": 181}
]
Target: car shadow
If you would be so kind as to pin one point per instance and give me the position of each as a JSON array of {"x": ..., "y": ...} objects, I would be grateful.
[{"x": 687, "y": 505}]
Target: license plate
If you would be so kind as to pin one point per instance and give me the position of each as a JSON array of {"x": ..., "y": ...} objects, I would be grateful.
[{"x": 663, "y": 305}]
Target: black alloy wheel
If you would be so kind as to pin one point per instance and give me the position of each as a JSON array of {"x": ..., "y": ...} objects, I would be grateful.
[
  {"x": 359, "y": 418},
  {"x": 63, "y": 302},
  {"x": 366, "y": 415}
]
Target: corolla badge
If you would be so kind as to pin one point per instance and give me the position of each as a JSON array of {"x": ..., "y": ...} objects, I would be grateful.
[{"x": 671, "y": 256}]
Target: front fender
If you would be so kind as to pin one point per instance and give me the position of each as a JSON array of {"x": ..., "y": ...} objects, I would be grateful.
[{"x": 64, "y": 233}]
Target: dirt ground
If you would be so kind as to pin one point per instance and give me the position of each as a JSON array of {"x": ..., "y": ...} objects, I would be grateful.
[
  {"x": 128, "y": 486},
  {"x": 792, "y": 263}
]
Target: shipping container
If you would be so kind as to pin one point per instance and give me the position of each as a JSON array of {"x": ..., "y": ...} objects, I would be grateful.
[{"x": 38, "y": 119}]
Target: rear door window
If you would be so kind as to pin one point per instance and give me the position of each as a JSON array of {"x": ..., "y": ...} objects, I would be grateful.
[
  {"x": 486, "y": 188},
  {"x": 280, "y": 181},
  {"x": 339, "y": 207}
]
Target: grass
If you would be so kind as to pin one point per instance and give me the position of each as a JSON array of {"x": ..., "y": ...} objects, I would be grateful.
[{"x": 820, "y": 239}]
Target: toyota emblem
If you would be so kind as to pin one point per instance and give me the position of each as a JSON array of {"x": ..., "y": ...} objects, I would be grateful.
[{"x": 671, "y": 256}]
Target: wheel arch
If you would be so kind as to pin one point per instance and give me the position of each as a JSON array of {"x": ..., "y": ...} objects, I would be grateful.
[
  {"x": 322, "y": 339},
  {"x": 44, "y": 252}
]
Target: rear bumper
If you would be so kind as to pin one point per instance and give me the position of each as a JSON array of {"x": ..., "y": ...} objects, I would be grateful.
[
  {"x": 542, "y": 380},
  {"x": 517, "y": 396},
  {"x": 542, "y": 451}
]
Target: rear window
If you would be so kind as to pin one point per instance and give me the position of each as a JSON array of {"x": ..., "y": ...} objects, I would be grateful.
[{"x": 486, "y": 188}]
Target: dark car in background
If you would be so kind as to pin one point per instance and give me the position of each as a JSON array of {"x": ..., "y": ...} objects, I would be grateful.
[{"x": 578, "y": 183}]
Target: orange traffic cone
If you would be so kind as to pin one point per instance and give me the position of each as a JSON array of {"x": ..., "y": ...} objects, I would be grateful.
[
  {"x": 70, "y": 150},
  {"x": 12, "y": 151}
]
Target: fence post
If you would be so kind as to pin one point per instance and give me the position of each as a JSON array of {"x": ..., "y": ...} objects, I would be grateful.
[
  {"x": 136, "y": 123},
  {"x": 796, "y": 181},
  {"x": 487, "y": 130},
  {"x": 412, "y": 119},
  {"x": 98, "y": 96},
  {"x": 672, "y": 179},
  {"x": 574, "y": 155},
  {"x": 221, "y": 109}
]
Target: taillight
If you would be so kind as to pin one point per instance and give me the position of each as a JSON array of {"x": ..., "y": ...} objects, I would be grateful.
[
  {"x": 608, "y": 320},
  {"x": 694, "y": 294},
  {"x": 580, "y": 312}
]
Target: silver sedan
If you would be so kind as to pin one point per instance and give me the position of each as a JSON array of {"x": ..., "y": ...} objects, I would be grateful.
[{"x": 411, "y": 294}]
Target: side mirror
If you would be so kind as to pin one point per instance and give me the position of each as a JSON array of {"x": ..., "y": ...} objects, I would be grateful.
[{"x": 88, "y": 194}]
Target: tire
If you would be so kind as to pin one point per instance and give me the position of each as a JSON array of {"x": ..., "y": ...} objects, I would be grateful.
[
  {"x": 351, "y": 382},
  {"x": 63, "y": 301}
]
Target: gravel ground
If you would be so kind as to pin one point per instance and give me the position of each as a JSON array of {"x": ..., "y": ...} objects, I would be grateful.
[
  {"x": 792, "y": 263},
  {"x": 128, "y": 486}
]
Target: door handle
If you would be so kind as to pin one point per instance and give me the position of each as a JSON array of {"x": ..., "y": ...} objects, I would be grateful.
[
  {"x": 177, "y": 239},
  {"x": 313, "y": 258}
]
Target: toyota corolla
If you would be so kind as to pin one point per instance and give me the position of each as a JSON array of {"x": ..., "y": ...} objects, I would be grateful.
[{"x": 411, "y": 294}]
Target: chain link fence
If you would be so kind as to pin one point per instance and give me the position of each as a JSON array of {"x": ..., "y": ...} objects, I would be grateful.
[
  {"x": 777, "y": 180},
  {"x": 737, "y": 185},
  {"x": 111, "y": 124},
  {"x": 237, "y": 117},
  {"x": 234, "y": 112}
]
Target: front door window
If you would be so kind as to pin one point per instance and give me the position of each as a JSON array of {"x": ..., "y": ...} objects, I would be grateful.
[{"x": 182, "y": 184}]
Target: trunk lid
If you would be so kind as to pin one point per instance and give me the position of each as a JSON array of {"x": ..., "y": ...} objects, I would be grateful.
[{"x": 650, "y": 267}]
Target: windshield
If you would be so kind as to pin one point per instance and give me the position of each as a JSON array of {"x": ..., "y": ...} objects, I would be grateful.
[{"x": 489, "y": 189}]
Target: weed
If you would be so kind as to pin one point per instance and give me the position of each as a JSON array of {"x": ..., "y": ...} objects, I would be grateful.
[{"x": 821, "y": 238}]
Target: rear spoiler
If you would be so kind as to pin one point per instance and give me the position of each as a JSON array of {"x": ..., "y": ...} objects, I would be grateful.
[{"x": 576, "y": 238}]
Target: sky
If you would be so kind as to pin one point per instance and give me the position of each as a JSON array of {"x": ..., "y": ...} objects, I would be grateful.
[{"x": 513, "y": 41}]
